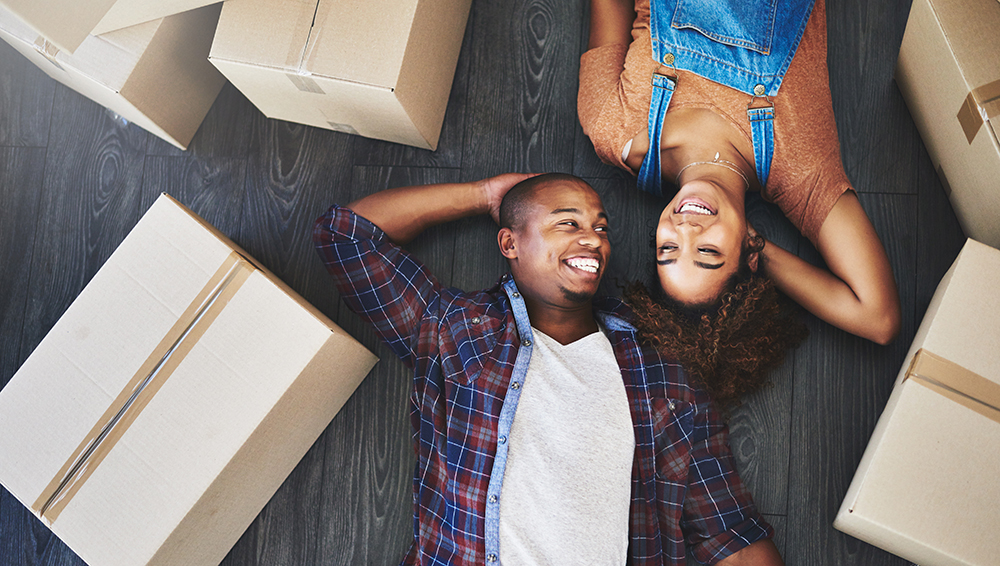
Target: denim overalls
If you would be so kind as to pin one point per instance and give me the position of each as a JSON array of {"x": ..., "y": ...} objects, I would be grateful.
[{"x": 743, "y": 44}]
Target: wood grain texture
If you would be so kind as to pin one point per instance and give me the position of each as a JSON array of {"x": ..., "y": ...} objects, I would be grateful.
[
  {"x": 877, "y": 137},
  {"x": 21, "y": 173},
  {"x": 213, "y": 188},
  {"x": 841, "y": 384},
  {"x": 89, "y": 202},
  {"x": 25, "y": 100},
  {"x": 522, "y": 92}
]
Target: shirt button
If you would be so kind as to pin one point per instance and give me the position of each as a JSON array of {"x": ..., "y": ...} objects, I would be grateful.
[
  {"x": 526, "y": 342},
  {"x": 491, "y": 558},
  {"x": 493, "y": 499},
  {"x": 515, "y": 294},
  {"x": 516, "y": 385},
  {"x": 503, "y": 439},
  {"x": 758, "y": 90},
  {"x": 672, "y": 405},
  {"x": 476, "y": 320},
  {"x": 668, "y": 59}
]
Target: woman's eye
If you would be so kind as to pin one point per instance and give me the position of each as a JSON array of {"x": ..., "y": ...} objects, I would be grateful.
[
  {"x": 668, "y": 248},
  {"x": 708, "y": 251}
]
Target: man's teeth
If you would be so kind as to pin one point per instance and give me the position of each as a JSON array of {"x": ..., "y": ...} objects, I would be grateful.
[
  {"x": 694, "y": 208},
  {"x": 585, "y": 264}
]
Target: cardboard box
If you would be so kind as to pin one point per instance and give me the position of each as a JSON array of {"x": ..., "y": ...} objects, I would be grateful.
[
  {"x": 223, "y": 378},
  {"x": 949, "y": 74},
  {"x": 927, "y": 487},
  {"x": 381, "y": 69},
  {"x": 155, "y": 75},
  {"x": 67, "y": 23}
]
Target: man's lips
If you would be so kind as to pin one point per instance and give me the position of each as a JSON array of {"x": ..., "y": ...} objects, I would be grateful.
[
  {"x": 694, "y": 206},
  {"x": 588, "y": 264}
]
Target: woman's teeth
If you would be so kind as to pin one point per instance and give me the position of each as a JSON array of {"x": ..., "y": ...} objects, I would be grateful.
[{"x": 693, "y": 208}]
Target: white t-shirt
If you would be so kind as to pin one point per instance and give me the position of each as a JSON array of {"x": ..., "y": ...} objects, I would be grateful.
[{"x": 567, "y": 484}]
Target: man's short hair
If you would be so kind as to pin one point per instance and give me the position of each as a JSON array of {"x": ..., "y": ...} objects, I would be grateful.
[{"x": 516, "y": 202}]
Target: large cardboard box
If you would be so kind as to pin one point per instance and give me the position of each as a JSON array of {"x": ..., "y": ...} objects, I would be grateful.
[
  {"x": 67, "y": 23},
  {"x": 155, "y": 74},
  {"x": 381, "y": 69},
  {"x": 170, "y": 401},
  {"x": 927, "y": 488},
  {"x": 949, "y": 74}
]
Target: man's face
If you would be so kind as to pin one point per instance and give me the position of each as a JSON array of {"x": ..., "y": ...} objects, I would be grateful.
[{"x": 559, "y": 252}]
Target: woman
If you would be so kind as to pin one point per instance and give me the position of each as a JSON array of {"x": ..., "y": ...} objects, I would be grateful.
[{"x": 737, "y": 94}]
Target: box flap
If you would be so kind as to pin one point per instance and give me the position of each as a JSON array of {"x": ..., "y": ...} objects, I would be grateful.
[
  {"x": 354, "y": 41},
  {"x": 270, "y": 33},
  {"x": 127, "y": 13},
  {"x": 971, "y": 28},
  {"x": 64, "y": 23}
]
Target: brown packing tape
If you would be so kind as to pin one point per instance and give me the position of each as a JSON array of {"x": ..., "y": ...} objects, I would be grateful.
[
  {"x": 979, "y": 106},
  {"x": 953, "y": 381},
  {"x": 150, "y": 377}
]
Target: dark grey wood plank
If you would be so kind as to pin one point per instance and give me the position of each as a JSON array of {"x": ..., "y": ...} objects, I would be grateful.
[
  {"x": 939, "y": 235},
  {"x": 213, "y": 188},
  {"x": 449, "y": 149},
  {"x": 21, "y": 172},
  {"x": 841, "y": 383},
  {"x": 90, "y": 201},
  {"x": 225, "y": 131},
  {"x": 522, "y": 94},
  {"x": 878, "y": 139},
  {"x": 25, "y": 100}
]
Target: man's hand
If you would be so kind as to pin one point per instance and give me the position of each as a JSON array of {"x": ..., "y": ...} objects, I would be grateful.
[
  {"x": 404, "y": 212},
  {"x": 495, "y": 188}
]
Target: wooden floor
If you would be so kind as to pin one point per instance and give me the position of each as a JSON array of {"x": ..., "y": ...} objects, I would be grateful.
[{"x": 73, "y": 181}]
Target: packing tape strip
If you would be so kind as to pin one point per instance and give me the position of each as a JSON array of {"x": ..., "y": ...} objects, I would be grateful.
[
  {"x": 150, "y": 377},
  {"x": 957, "y": 383},
  {"x": 979, "y": 106}
]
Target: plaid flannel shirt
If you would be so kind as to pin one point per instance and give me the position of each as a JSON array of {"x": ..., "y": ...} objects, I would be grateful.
[{"x": 469, "y": 353}]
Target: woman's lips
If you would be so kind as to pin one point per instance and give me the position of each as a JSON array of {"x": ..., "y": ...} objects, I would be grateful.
[{"x": 694, "y": 206}]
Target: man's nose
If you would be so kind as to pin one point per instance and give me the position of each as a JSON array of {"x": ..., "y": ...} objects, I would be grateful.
[{"x": 590, "y": 238}]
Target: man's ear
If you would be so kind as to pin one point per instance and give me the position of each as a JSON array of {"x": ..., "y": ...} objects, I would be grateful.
[{"x": 505, "y": 239}]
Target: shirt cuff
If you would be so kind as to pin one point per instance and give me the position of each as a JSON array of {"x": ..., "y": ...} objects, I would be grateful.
[{"x": 736, "y": 538}]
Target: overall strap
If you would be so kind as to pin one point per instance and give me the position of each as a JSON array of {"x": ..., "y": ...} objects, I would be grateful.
[
  {"x": 762, "y": 134},
  {"x": 650, "y": 177}
]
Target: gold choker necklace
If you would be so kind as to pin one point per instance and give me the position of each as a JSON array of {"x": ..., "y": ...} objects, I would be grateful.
[{"x": 721, "y": 163}]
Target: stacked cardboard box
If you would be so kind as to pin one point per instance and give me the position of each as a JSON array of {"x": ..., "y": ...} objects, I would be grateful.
[
  {"x": 927, "y": 487},
  {"x": 67, "y": 23},
  {"x": 154, "y": 74},
  {"x": 949, "y": 74},
  {"x": 381, "y": 69},
  {"x": 170, "y": 401}
]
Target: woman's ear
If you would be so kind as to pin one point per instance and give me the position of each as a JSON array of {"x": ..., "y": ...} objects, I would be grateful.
[
  {"x": 752, "y": 260},
  {"x": 505, "y": 239}
]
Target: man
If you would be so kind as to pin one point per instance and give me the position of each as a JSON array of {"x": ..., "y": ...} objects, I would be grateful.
[{"x": 612, "y": 458}]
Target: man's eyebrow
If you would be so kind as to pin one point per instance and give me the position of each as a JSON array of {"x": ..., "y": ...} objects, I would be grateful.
[{"x": 601, "y": 214}]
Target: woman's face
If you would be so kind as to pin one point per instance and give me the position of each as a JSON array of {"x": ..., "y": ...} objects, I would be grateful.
[{"x": 698, "y": 242}]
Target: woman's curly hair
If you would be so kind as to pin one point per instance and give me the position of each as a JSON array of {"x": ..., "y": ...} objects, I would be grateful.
[{"x": 728, "y": 347}]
